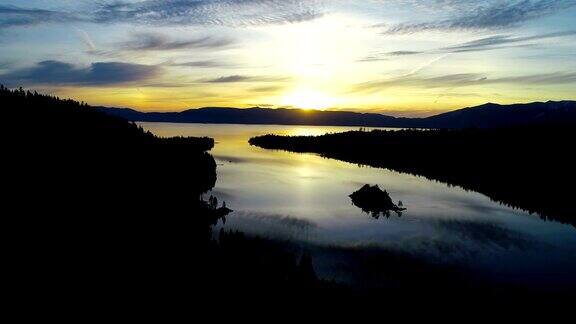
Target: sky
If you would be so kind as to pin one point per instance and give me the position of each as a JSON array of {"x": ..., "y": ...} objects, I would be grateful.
[{"x": 398, "y": 57}]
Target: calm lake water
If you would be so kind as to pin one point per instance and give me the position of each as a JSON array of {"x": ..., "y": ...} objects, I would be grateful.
[{"x": 304, "y": 198}]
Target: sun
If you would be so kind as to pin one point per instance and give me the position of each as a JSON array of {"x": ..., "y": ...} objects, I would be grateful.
[{"x": 308, "y": 99}]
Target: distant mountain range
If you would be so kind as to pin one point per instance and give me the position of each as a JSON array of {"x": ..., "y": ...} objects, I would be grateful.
[{"x": 484, "y": 116}]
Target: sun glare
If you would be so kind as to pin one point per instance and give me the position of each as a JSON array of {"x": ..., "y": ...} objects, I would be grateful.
[{"x": 308, "y": 99}]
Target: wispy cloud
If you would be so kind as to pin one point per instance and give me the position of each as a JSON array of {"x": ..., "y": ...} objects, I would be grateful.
[
  {"x": 403, "y": 53},
  {"x": 209, "y": 12},
  {"x": 386, "y": 56},
  {"x": 4, "y": 65},
  {"x": 141, "y": 44},
  {"x": 372, "y": 58},
  {"x": 172, "y": 13},
  {"x": 244, "y": 78},
  {"x": 160, "y": 42},
  {"x": 427, "y": 64},
  {"x": 411, "y": 80},
  {"x": 11, "y": 16},
  {"x": 230, "y": 79},
  {"x": 498, "y": 41},
  {"x": 86, "y": 39},
  {"x": 495, "y": 42},
  {"x": 538, "y": 79},
  {"x": 201, "y": 64},
  {"x": 485, "y": 15},
  {"x": 268, "y": 89},
  {"x": 97, "y": 74},
  {"x": 465, "y": 79}
]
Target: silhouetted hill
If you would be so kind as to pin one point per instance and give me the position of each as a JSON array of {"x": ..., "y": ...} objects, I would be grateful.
[
  {"x": 218, "y": 115},
  {"x": 98, "y": 209},
  {"x": 484, "y": 116},
  {"x": 494, "y": 115}
]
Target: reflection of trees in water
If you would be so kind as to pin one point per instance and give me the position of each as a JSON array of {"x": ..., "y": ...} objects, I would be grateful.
[{"x": 383, "y": 213}]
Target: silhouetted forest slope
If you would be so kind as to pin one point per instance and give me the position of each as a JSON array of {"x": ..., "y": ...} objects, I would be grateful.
[
  {"x": 100, "y": 210},
  {"x": 484, "y": 116},
  {"x": 215, "y": 115},
  {"x": 526, "y": 167},
  {"x": 493, "y": 115}
]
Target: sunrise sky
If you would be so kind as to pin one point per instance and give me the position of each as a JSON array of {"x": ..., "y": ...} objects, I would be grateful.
[{"x": 405, "y": 58}]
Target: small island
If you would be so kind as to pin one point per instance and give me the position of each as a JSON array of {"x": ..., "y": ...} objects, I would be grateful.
[{"x": 375, "y": 201}]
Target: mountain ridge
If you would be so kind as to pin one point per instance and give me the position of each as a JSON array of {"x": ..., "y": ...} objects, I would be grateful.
[{"x": 483, "y": 116}]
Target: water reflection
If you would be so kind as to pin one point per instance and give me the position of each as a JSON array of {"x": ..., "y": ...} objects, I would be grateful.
[{"x": 304, "y": 198}]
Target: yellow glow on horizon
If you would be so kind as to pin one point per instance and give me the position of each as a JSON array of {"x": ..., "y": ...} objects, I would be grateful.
[
  {"x": 401, "y": 102},
  {"x": 318, "y": 68},
  {"x": 308, "y": 99}
]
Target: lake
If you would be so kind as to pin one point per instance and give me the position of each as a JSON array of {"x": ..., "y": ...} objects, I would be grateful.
[{"x": 303, "y": 198}]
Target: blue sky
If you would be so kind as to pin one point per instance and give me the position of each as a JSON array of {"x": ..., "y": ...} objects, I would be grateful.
[{"x": 407, "y": 58}]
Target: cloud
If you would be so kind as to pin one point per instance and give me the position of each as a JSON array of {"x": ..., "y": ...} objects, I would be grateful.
[
  {"x": 97, "y": 74},
  {"x": 230, "y": 79},
  {"x": 260, "y": 105},
  {"x": 496, "y": 42},
  {"x": 465, "y": 79},
  {"x": 208, "y": 12},
  {"x": 144, "y": 42},
  {"x": 5, "y": 65},
  {"x": 268, "y": 89},
  {"x": 11, "y": 16},
  {"x": 244, "y": 78},
  {"x": 172, "y": 13},
  {"x": 538, "y": 79},
  {"x": 377, "y": 57},
  {"x": 371, "y": 58},
  {"x": 483, "y": 44},
  {"x": 486, "y": 15},
  {"x": 159, "y": 42},
  {"x": 200, "y": 64},
  {"x": 403, "y": 53},
  {"x": 86, "y": 39},
  {"x": 427, "y": 64}
]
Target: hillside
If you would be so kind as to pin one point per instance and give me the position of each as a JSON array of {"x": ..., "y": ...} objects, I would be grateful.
[
  {"x": 218, "y": 115},
  {"x": 98, "y": 208},
  {"x": 484, "y": 116},
  {"x": 493, "y": 115}
]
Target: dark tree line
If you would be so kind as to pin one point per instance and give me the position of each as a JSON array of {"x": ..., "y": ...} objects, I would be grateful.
[
  {"x": 528, "y": 167},
  {"x": 101, "y": 210}
]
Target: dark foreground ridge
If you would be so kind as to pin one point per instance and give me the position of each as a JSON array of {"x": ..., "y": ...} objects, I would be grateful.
[
  {"x": 484, "y": 116},
  {"x": 105, "y": 215},
  {"x": 525, "y": 167}
]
